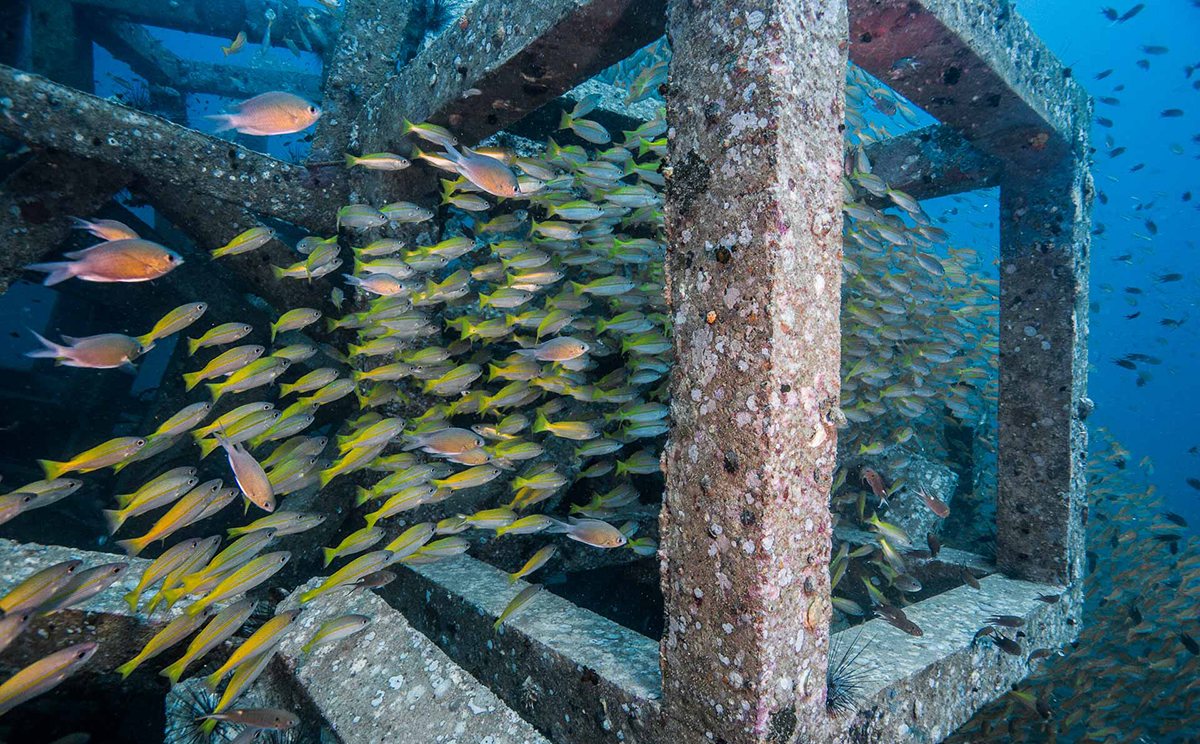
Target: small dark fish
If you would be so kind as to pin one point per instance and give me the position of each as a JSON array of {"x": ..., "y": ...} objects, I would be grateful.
[
  {"x": 1189, "y": 643},
  {"x": 1103, "y": 197},
  {"x": 1194, "y": 483},
  {"x": 1137, "y": 167},
  {"x": 970, "y": 578},
  {"x": 1153, "y": 49},
  {"x": 1049, "y": 598},
  {"x": 1110, "y": 14},
  {"x": 1152, "y": 228},
  {"x": 935, "y": 546},
  {"x": 1105, "y": 73},
  {"x": 1135, "y": 615},
  {"x": 1006, "y": 621},
  {"x": 1175, "y": 518},
  {"x": 1172, "y": 323},
  {"x": 1116, "y": 152},
  {"x": 375, "y": 580},
  {"x": 1109, "y": 101},
  {"x": 1102, "y": 121},
  {"x": 1171, "y": 113},
  {"x": 1134, "y": 290},
  {"x": 1167, "y": 537},
  {"x": 1187, "y": 196},
  {"x": 1144, "y": 64},
  {"x": 986, "y": 630},
  {"x": 1043, "y": 709},
  {"x": 1132, "y": 12},
  {"x": 888, "y": 612},
  {"x": 1166, "y": 278},
  {"x": 1134, "y": 315},
  {"x": 1125, "y": 363},
  {"x": 1041, "y": 653},
  {"x": 1007, "y": 645}
]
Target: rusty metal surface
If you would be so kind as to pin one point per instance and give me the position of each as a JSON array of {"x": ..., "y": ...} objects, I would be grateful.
[{"x": 756, "y": 104}]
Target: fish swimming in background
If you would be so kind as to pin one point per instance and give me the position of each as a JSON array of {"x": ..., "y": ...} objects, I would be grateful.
[
  {"x": 236, "y": 45},
  {"x": 274, "y": 112},
  {"x": 105, "y": 229},
  {"x": 44, "y": 675},
  {"x": 105, "y": 351},
  {"x": 125, "y": 260}
]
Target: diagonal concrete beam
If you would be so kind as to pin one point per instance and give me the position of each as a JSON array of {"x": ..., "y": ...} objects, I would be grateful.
[
  {"x": 45, "y": 114},
  {"x": 36, "y": 201},
  {"x": 753, "y": 274},
  {"x": 932, "y": 162},
  {"x": 498, "y": 63},
  {"x": 364, "y": 56},
  {"x": 147, "y": 56},
  {"x": 980, "y": 70}
]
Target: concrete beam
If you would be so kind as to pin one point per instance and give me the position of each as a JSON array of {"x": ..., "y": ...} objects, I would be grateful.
[
  {"x": 36, "y": 201},
  {"x": 753, "y": 271},
  {"x": 147, "y": 56},
  {"x": 1041, "y": 502},
  {"x": 45, "y": 114},
  {"x": 922, "y": 689},
  {"x": 980, "y": 70},
  {"x": 390, "y": 683},
  {"x": 932, "y": 162},
  {"x": 221, "y": 18},
  {"x": 575, "y": 675},
  {"x": 362, "y": 59},
  {"x": 499, "y": 62}
]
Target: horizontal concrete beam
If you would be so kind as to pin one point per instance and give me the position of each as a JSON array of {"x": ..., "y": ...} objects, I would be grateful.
[
  {"x": 390, "y": 683},
  {"x": 45, "y": 114},
  {"x": 979, "y": 69},
  {"x": 922, "y": 689},
  {"x": 220, "y": 18},
  {"x": 147, "y": 56},
  {"x": 575, "y": 675},
  {"x": 611, "y": 112},
  {"x": 932, "y": 162}
]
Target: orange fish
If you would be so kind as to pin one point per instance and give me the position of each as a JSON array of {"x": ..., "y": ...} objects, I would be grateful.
[
  {"x": 487, "y": 173},
  {"x": 937, "y": 506},
  {"x": 875, "y": 481},
  {"x": 269, "y": 113},
  {"x": 106, "y": 351},
  {"x": 105, "y": 229},
  {"x": 127, "y": 260}
]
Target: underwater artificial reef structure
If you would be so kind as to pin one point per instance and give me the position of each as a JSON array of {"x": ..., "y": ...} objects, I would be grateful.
[{"x": 755, "y": 105}]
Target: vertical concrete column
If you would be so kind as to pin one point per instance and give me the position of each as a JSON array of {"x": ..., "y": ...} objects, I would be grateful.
[
  {"x": 1045, "y": 222},
  {"x": 755, "y": 110},
  {"x": 61, "y": 47}
]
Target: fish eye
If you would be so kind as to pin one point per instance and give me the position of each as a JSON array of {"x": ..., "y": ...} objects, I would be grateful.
[
  {"x": 140, "y": 442},
  {"x": 312, "y": 109}
]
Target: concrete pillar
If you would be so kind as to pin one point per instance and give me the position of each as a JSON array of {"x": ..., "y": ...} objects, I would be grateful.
[
  {"x": 753, "y": 212},
  {"x": 61, "y": 46},
  {"x": 1045, "y": 219}
]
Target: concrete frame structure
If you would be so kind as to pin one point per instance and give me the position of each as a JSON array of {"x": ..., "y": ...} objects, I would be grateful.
[{"x": 754, "y": 214}]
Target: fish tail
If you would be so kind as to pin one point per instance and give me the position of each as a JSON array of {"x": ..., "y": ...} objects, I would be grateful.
[
  {"x": 540, "y": 424},
  {"x": 206, "y": 447},
  {"x": 212, "y": 680},
  {"x": 351, "y": 161},
  {"x": 195, "y": 608},
  {"x": 54, "y": 469},
  {"x": 330, "y": 554},
  {"x": 132, "y": 547},
  {"x": 372, "y": 518},
  {"x": 512, "y": 577},
  {"x": 173, "y": 672},
  {"x": 59, "y": 271},
  {"x": 216, "y": 390},
  {"x": 225, "y": 122},
  {"x": 50, "y": 349},
  {"x": 155, "y": 601},
  {"x": 621, "y": 467},
  {"x": 357, "y": 375},
  {"x": 577, "y": 287},
  {"x": 564, "y": 121},
  {"x": 484, "y": 299},
  {"x": 285, "y": 389},
  {"x": 114, "y": 519},
  {"x": 208, "y": 726},
  {"x": 190, "y": 379},
  {"x": 132, "y": 598},
  {"x": 326, "y": 476},
  {"x": 407, "y": 126},
  {"x": 78, "y": 224},
  {"x": 193, "y": 345},
  {"x": 277, "y": 272},
  {"x": 274, "y": 332},
  {"x": 145, "y": 341},
  {"x": 127, "y": 668},
  {"x": 493, "y": 372},
  {"x": 361, "y": 496}
]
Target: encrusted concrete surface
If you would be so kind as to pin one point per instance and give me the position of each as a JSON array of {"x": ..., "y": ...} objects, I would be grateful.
[
  {"x": 577, "y": 676},
  {"x": 905, "y": 507},
  {"x": 755, "y": 110},
  {"x": 45, "y": 114},
  {"x": 918, "y": 690},
  {"x": 978, "y": 68},
  {"x": 390, "y": 684},
  {"x": 1041, "y": 503},
  {"x": 931, "y": 162}
]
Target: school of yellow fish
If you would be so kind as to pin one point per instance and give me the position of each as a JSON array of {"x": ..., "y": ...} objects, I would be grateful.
[{"x": 544, "y": 320}]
